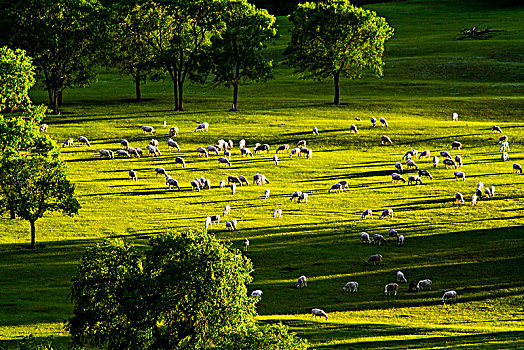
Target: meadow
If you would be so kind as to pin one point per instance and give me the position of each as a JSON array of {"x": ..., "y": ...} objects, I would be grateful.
[{"x": 475, "y": 250}]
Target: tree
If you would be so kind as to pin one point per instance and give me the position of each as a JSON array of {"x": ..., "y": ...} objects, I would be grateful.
[
  {"x": 269, "y": 337},
  {"x": 236, "y": 52},
  {"x": 333, "y": 38},
  {"x": 188, "y": 292},
  {"x": 39, "y": 185},
  {"x": 16, "y": 78},
  {"x": 61, "y": 36}
]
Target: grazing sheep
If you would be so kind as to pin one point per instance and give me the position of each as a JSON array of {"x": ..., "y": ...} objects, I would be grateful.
[
  {"x": 245, "y": 244},
  {"x": 435, "y": 162},
  {"x": 165, "y": 123},
  {"x": 357, "y": 119},
  {"x": 266, "y": 193},
  {"x": 277, "y": 213},
  {"x": 212, "y": 149},
  {"x": 449, "y": 295},
  {"x": 275, "y": 159},
  {"x": 384, "y": 139},
  {"x": 229, "y": 144},
  {"x": 150, "y": 129},
  {"x": 344, "y": 184},
  {"x": 202, "y": 181},
  {"x": 504, "y": 146},
  {"x": 492, "y": 191},
  {"x": 379, "y": 239},
  {"x": 474, "y": 199},
  {"x": 319, "y": 312},
  {"x": 245, "y": 152},
  {"x": 383, "y": 122},
  {"x": 448, "y": 163},
  {"x": 295, "y": 194},
  {"x": 460, "y": 175},
  {"x": 122, "y": 153},
  {"x": 350, "y": 286},
  {"x": 386, "y": 212},
  {"x": 459, "y": 197},
  {"x": 43, "y": 127},
  {"x": 496, "y": 129},
  {"x": 229, "y": 226},
  {"x": 375, "y": 258},
  {"x": 478, "y": 193},
  {"x": 309, "y": 153},
  {"x": 302, "y": 282},
  {"x": 390, "y": 288},
  {"x": 195, "y": 185},
  {"x": 153, "y": 150},
  {"x": 502, "y": 139},
  {"x": 153, "y": 142},
  {"x": 234, "y": 179},
  {"x": 398, "y": 166},
  {"x": 215, "y": 218},
  {"x": 410, "y": 154},
  {"x": 446, "y": 154},
  {"x": 202, "y": 152},
  {"x": 207, "y": 222},
  {"x": 487, "y": 191},
  {"x": 368, "y": 213},
  {"x": 315, "y": 131},
  {"x": 424, "y": 154},
  {"x": 424, "y": 284},
  {"x": 294, "y": 152},
  {"x": 454, "y": 117},
  {"x": 364, "y": 236},
  {"x": 425, "y": 173},
  {"x": 225, "y": 161},
  {"x": 172, "y": 144},
  {"x": 227, "y": 154},
  {"x": 124, "y": 144},
  {"x": 241, "y": 143},
  {"x": 401, "y": 278},
  {"x": 243, "y": 180},
  {"x": 202, "y": 127},
  {"x": 170, "y": 182},
  {"x": 353, "y": 128},
  {"x": 220, "y": 145},
  {"x": 260, "y": 148},
  {"x": 303, "y": 150},
  {"x": 233, "y": 188},
  {"x": 336, "y": 188},
  {"x": 105, "y": 153},
  {"x": 393, "y": 233},
  {"x": 260, "y": 179},
  {"x": 132, "y": 175},
  {"x": 458, "y": 160},
  {"x": 160, "y": 171},
  {"x": 302, "y": 198},
  {"x": 222, "y": 183},
  {"x": 456, "y": 144},
  {"x": 257, "y": 293},
  {"x": 283, "y": 148},
  {"x": 411, "y": 164},
  {"x": 135, "y": 152},
  {"x": 415, "y": 179},
  {"x": 179, "y": 160},
  {"x": 517, "y": 168},
  {"x": 505, "y": 156},
  {"x": 206, "y": 184},
  {"x": 397, "y": 177},
  {"x": 373, "y": 121},
  {"x": 173, "y": 131},
  {"x": 400, "y": 240},
  {"x": 68, "y": 143},
  {"x": 301, "y": 143}
]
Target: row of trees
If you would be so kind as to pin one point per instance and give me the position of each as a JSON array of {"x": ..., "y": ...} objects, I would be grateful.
[
  {"x": 218, "y": 41},
  {"x": 32, "y": 175}
]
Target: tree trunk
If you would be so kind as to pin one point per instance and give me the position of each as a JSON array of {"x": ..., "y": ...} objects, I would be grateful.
[
  {"x": 336, "y": 101},
  {"x": 12, "y": 213},
  {"x": 175, "y": 92},
  {"x": 60, "y": 99},
  {"x": 180, "y": 106},
  {"x": 138, "y": 88},
  {"x": 54, "y": 106},
  {"x": 235, "y": 98},
  {"x": 33, "y": 236}
]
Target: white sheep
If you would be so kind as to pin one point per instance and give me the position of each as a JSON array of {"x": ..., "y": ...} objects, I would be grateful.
[
  {"x": 302, "y": 198},
  {"x": 234, "y": 179},
  {"x": 153, "y": 150},
  {"x": 132, "y": 175},
  {"x": 230, "y": 144},
  {"x": 124, "y": 144},
  {"x": 302, "y": 282},
  {"x": 207, "y": 222},
  {"x": 275, "y": 159},
  {"x": 179, "y": 160},
  {"x": 148, "y": 129},
  {"x": 135, "y": 152},
  {"x": 454, "y": 117},
  {"x": 153, "y": 142},
  {"x": 284, "y": 147},
  {"x": 391, "y": 287},
  {"x": 212, "y": 149},
  {"x": 315, "y": 131},
  {"x": 401, "y": 278},
  {"x": 195, "y": 185},
  {"x": 368, "y": 213},
  {"x": 505, "y": 156},
  {"x": 222, "y": 183},
  {"x": 301, "y": 143},
  {"x": 266, "y": 193},
  {"x": 459, "y": 197},
  {"x": 424, "y": 284},
  {"x": 202, "y": 152},
  {"x": 474, "y": 199},
  {"x": 245, "y": 152},
  {"x": 492, "y": 190},
  {"x": 233, "y": 188},
  {"x": 400, "y": 240},
  {"x": 460, "y": 175},
  {"x": 222, "y": 160},
  {"x": 243, "y": 180},
  {"x": 245, "y": 244},
  {"x": 336, "y": 188},
  {"x": 121, "y": 152},
  {"x": 504, "y": 146},
  {"x": 68, "y": 143},
  {"x": 379, "y": 239},
  {"x": 425, "y": 173},
  {"x": 410, "y": 154},
  {"x": 170, "y": 182},
  {"x": 456, "y": 144},
  {"x": 107, "y": 153},
  {"x": 227, "y": 154},
  {"x": 495, "y": 128},
  {"x": 375, "y": 258},
  {"x": 364, "y": 236},
  {"x": 397, "y": 177},
  {"x": 502, "y": 139},
  {"x": 344, "y": 184},
  {"x": 384, "y": 139},
  {"x": 173, "y": 131},
  {"x": 227, "y": 210},
  {"x": 393, "y": 233},
  {"x": 277, "y": 213},
  {"x": 445, "y": 154},
  {"x": 202, "y": 127},
  {"x": 449, "y": 295},
  {"x": 373, "y": 121},
  {"x": 160, "y": 171},
  {"x": 411, "y": 164},
  {"x": 448, "y": 163},
  {"x": 294, "y": 152},
  {"x": 229, "y": 226},
  {"x": 219, "y": 145},
  {"x": 415, "y": 179},
  {"x": 257, "y": 292},
  {"x": 260, "y": 179},
  {"x": 424, "y": 154},
  {"x": 350, "y": 286},
  {"x": 435, "y": 161},
  {"x": 309, "y": 153},
  {"x": 295, "y": 194},
  {"x": 241, "y": 144},
  {"x": 458, "y": 161},
  {"x": 398, "y": 166},
  {"x": 353, "y": 128},
  {"x": 386, "y": 212},
  {"x": 318, "y": 312},
  {"x": 172, "y": 144},
  {"x": 383, "y": 122},
  {"x": 517, "y": 167},
  {"x": 43, "y": 127}
]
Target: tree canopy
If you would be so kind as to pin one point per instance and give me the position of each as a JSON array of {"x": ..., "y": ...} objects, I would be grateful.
[
  {"x": 16, "y": 78},
  {"x": 333, "y": 38}
]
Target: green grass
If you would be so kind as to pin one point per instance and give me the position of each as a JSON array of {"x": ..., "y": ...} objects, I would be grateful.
[{"x": 474, "y": 250}]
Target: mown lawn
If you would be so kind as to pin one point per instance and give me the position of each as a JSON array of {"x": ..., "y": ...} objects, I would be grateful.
[{"x": 476, "y": 251}]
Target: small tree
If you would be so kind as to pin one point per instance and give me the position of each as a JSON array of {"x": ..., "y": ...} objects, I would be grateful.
[
  {"x": 269, "y": 337},
  {"x": 236, "y": 53},
  {"x": 16, "y": 78},
  {"x": 333, "y": 37}
]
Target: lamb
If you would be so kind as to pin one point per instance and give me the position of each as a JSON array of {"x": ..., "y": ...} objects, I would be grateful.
[
  {"x": 411, "y": 164},
  {"x": 260, "y": 179},
  {"x": 207, "y": 222},
  {"x": 364, "y": 236},
  {"x": 295, "y": 194},
  {"x": 383, "y": 122},
  {"x": 294, "y": 152},
  {"x": 257, "y": 293},
  {"x": 122, "y": 153},
  {"x": 336, "y": 188},
  {"x": 460, "y": 175},
  {"x": 245, "y": 244},
  {"x": 391, "y": 287},
  {"x": 393, "y": 233},
  {"x": 275, "y": 159},
  {"x": 319, "y": 312},
  {"x": 368, "y": 213},
  {"x": 424, "y": 154},
  {"x": 132, "y": 175},
  {"x": 459, "y": 197},
  {"x": 233, "y": 188},
  {"x": 229, "y": 226},
  {"x": 350, "y": 286},
  {"x": 173, "y": 131},
  {"x": 153, "y": 150},
  {"x": 424, "y": 284},
  {"x": 202, "y": 152},
  {"x": 170, "y": 182},
  {"x": 398, "y": 166},
  {"x": 445, "y": 154},
  {"x": 353, "y": 128},
  {"x": 448, "y": 163},
  {"x": 425, "y": 174},
  {"x": 505, "y": 156},
  {"x": 179, "y": 160},
  {"x": 449, "y": 295},
  {"x": 458, "y": 160},
  {"x": 400, "y": 240},
  {"x": 414, "y": 178},
  {"x": 375, "y": 258},
  {"x": 243, "y": 180},
  {"x": 474, "y": 199},
  {"x": 241, "y": 143},
  {"x": 222, "y": 183},
  {"x": 68, "y": 143},
  {"x": 302, "y": 198},
  {"x": 379, "y": 239},
  {"x": 495, "y": 128},
  {"x": 504, "y": 146},
  {"x": 43, "y": 127},
  {"x": 373, "y": 121},
  {"x": 315, "y": 131},
  {"x": 160, "y": 171},
  {"x": 153, "y": 142},
  {"x": 234, "y": 179},
  {"x": 397, "y": 177},
  {"x": 195, "y": 185},
  {"x": 227, "y": 154},
  {"x": 517, "y": 167},
  {"x": 435, "y": 162},
  {"x": 212, "y": 149},
  {"x": 386, "y": 212},
  {"x": 456, "y": 144},
  {"x": 172, "y": 144},
  {"x": 147, "y": 128},
  {"x": 502, "y": 139},
  {"x": 301, "y": 143},
  {"x": 384, "y": 139},
  {"x": 108, "y": 154},
  {"x": 260, "y": 148},
  {"x": 266, "y": 193},
  {"x": 454, "y": 117},
  {"x": 302, "y": 282},
  {"x": 344, "y": 183},
  {"x": 202, "y": 127},
  {"x": 401, "y": 278},
  {"x": 277, "y": 213},
  {"x": 124, "y": 144},
  {"x": 225, "y": 161},
  {"x": 283, "y": 148}
]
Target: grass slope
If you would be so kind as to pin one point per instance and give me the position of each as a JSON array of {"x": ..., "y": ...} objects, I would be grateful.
[{"x": 474, "y": 250}]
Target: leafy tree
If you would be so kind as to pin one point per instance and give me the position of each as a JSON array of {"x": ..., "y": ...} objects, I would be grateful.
[
  {"x": 61, "y": 36},
  {"x": 16, "y": 78},
  {"x": 236, "y": 52},
  {"x": 333, "y": 38},
  {"x": 269, "y": 337}
]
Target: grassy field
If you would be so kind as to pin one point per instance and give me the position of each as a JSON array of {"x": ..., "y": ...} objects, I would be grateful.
[{"x": 477, "y": 251}]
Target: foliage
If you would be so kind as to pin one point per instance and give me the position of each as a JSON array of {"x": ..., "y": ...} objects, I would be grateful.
[
  {"x": 16, "y": 78},
  {"x": 269, "y": 337},
  {"x": 333, "y": 37},
  {"x": 236, "y": 52},
  {"x": 30, "y": 342}
]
